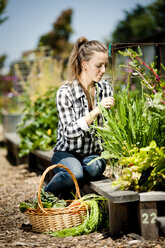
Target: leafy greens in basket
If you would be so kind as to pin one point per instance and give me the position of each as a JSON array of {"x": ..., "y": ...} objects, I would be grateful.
[{"x": 48, "y": 201}]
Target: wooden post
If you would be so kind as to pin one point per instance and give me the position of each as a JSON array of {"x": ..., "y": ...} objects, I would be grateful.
[
  {"x": 149, "y": 205},
  {"x": 148, "y": 215},
  {"x": 118, "y": 218}
]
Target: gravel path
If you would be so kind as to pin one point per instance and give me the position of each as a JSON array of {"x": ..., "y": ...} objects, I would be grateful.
[{"x": 17, "y": 184}]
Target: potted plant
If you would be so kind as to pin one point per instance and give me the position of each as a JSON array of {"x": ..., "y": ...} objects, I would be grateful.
[{"x": 11, "y": 111}]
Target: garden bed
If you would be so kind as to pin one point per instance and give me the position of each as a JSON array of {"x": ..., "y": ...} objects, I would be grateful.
[
  {"x": 16, "y": 231},
  {"x": 129, "y": 211}
]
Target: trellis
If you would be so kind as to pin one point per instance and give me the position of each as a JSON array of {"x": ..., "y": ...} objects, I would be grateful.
[{"x": 151, "y": 52}]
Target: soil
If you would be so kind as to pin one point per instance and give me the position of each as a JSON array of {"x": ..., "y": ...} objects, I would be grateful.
[{"x": 17, "y": 184}]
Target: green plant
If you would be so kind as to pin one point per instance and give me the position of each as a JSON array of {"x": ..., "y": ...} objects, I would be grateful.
[
  {"x": 43, "y": 73},
  {"x": 148, "y": 73},
  {"x": 144, "y": 170},
  {"x": 39, "y": 123},
  {"x": 134, "y": 121},
  {"x": 39, "y": 82},
  {"x": 96, "y": 217},
  {"x": 48, "y": 201},
  {"x": 131, "y": 122}
]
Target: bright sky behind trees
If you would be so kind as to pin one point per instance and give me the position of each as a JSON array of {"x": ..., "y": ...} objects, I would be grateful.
[{"x": 29, "y": 19}]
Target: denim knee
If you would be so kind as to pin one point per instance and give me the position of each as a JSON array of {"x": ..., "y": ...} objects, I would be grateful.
[
  {"x": 62, "y": 180},
  {"x": 69, "y": 160},
  {"x": 95, "y": 169}
]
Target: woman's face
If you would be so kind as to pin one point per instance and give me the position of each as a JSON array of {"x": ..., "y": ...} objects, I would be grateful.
[{"x": 96, "y": 66}]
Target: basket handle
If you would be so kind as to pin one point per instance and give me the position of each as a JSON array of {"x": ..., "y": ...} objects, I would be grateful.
[{"x": 43, "y": 177}]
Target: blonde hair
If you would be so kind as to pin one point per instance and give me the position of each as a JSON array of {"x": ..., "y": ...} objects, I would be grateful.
[{"x": 82, "y": 51}]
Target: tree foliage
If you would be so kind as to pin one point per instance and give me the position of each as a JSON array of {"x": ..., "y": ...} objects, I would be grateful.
[
  {"x": 141, "y": 22},
  {"x": 2, "y": 61},
  {"x": 3, "y": 5},
  {"x": 58, "y": 38}
]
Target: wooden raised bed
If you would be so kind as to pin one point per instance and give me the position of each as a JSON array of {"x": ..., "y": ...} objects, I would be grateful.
[
  {"x": 12, "y": 141},
  {"x": 129, "y": 211},
  {"x": 122, "y": 206}
]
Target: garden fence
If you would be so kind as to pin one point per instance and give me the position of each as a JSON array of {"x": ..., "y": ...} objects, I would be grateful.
[{"x": 152, "y": 52}]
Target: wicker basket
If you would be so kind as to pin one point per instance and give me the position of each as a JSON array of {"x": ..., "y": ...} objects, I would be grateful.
[{"x": 44, "y": 219}]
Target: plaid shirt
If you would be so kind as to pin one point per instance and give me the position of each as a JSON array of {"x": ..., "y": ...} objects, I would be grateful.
[{"x": 73, "y": 133}]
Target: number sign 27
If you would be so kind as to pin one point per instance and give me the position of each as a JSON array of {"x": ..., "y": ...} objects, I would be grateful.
[{"x": 149, "y": 218}]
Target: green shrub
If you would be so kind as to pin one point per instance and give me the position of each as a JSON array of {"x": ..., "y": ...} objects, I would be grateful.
[
  {"x": 137, "y": 120},
  {"x": 38, "y": 128},
  {"x": 144, "y": 170}
]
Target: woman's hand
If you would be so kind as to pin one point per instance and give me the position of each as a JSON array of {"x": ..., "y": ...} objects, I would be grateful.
[{"x": 108, "y": 102}]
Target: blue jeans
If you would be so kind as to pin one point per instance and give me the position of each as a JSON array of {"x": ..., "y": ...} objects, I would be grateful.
[{"x": 62, "y": 181}]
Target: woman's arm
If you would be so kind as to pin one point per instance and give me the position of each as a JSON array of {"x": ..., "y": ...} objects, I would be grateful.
[
  {"x": 67, "y": 119},
  {"x": 106, "y": 103},
  {"x": 73, "y": 127}
]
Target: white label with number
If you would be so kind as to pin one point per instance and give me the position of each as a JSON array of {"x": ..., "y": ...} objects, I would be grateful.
[{"x": 149, "y": 218}]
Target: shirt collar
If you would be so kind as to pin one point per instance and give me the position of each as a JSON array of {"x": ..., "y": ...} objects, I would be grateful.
[{"x": 78, "y": 91}]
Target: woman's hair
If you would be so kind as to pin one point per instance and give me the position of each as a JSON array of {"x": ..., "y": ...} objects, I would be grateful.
[{"x": 82, "y": 51}]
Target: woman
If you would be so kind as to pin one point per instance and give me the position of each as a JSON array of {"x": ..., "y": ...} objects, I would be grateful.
[{"x": 77, "y": 105}]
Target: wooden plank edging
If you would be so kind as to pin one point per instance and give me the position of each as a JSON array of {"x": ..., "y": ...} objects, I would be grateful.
[
  {"x": 12, "y": 141},
  {"x": 47, "y": 155},
  {"x": 152, "y": 196},
  {"x": 104, "y": 187},
  {"x": 13, "y": 137}
]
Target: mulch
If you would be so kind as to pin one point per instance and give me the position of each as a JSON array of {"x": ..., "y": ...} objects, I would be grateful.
[{"x": 17, "y": 184}]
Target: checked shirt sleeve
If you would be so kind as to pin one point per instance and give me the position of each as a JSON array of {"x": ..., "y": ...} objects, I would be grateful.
[{"x": 72, "y": 127}]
